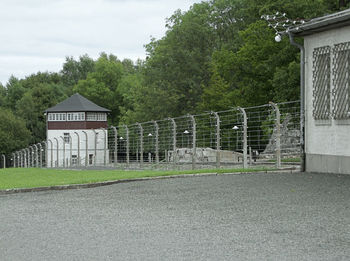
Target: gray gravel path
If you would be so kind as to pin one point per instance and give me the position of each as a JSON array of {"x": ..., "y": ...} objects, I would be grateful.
[{"x": 226, "y": 217}]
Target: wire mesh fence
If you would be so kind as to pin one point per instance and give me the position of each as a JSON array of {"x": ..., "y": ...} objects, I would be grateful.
[{"x": 266, "y": 135}]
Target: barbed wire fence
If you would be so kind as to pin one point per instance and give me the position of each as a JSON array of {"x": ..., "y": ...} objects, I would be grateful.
[{"x": 266, "y": 135}]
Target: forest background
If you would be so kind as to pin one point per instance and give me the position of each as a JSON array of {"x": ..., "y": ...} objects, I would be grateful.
[{"x": 217, "y": 55}]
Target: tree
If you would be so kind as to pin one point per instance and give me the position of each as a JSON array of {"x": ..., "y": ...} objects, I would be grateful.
[
  {"x": 13, "y": 132},
  {"x": 73, "y": 70},
  {"x": 101, "y": 86}
]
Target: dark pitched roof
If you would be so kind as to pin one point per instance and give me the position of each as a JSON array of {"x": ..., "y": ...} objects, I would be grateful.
[
  {"x": 323, "y": 23},
  {"x": 76, "y": 103}
]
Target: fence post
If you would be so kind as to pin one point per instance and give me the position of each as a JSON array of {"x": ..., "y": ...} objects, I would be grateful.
[
  {"x": 28, "y": 157},
  {"x": 105, "y": 147},
  {"x": 194, "y": 153},
  {"x": 157, "y": 140},
  {"x": 174, "y": 140},
  {"x": 24, "y": 158},
  {"x": 95, "y": 151},
  {"x": 217, "y": 139},
  {"x": 127, "y": 145},
  {"x": 4, "y": 161},
  {"x": 141, "y": 144},
  {"x": 278, "y": 134},
  {"x": 39, "y": 155},
  {"x": 245, "y": 135},
  {"x": 86, "y": 148},
  {"x": 115, "y": 145},
  {"x": 70, "y": 150},
  {"x": 14, "y": 159},
  {"x": 31, "y": 156},
  {"x": 35, "y": 153},
  {"x": 47, "y": 153},
  {"x": 78, "y": 153},
  {"x": 64, "y": 152}
]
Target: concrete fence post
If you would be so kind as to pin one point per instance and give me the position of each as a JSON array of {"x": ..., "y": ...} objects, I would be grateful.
[
  {"x": 157, "y": 141},
  {"x": 3, "y": 161},
  {"x": 194, "y": 152},
  {"x": 57, "y": 151},
  {"x": 174, "y": 140},
  {"x": 278, "y": 134},
  {"x": 70, "y": 150},
  {"x": 104, "y": 147},
  {"x": 86, "y": 148},
  {"x": 141, "y": 144},
  {"x": 51, "y": 158},
  {"x": 217, "y": 139},
  {"x": 115, "y": 152},
  {"x": 36, "y": 160},
  {"x": 245, "y": 135},
  {"x": 14, "y": 159},
  {"x": 28, "y": 156},
  {"x": 78, "y": 147},
  {"x": 127, "y": 145},
  {"x": 31, "y": 156},
  {"x": 95, "y": 149},
  {"x": 40, "y": 155},
  {"x": 23, "y": 154},
  {"x": 64, "y": 151}
]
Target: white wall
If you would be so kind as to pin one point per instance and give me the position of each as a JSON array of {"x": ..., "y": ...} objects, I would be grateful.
[
  {"x": 101, "y": 152},
  {"x": 324, "y": 137}
]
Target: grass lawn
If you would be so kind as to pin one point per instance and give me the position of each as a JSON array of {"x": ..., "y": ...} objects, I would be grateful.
[{"x": 35, "y": 177}]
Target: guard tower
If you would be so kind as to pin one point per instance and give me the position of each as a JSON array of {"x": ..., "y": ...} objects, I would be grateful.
[{"x": 76, "y": 133}]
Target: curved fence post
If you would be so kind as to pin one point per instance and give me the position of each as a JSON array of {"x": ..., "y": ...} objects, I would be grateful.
[
  {"x": 28, "y": 157},
  {"x": 64, "y": 152},
  {"x": 24, "y": 158},
  {"x": 70, "y": 151},
  {"x": 141, "y": 144},
  {"x": 51, "y": 158},
  {"x": 95, "y": 149},
  {"x": 115, "y": 153},
  {"x": 278, "y": 134},
  {"x": 127, "y": 145},
  {"x": 36, "y": 155},
  {"x": 40, "y": 155},
  {"x": 104, "y": 147},
  {"x": 57, "y": 151},
  {"x": 14, "y": 159},
  {"x": 216, "y": 115},
  {"x": 31, "y": 155},
  {"x": 86, "y": 148},
  {"x": 78, "y": 147},
  {"x": 3, "y": 161},
  {"x": 245, "y": 135},
  {"x": 174, "y": 139},
  {"x": 194, "y": 152},
  {"x": 156, "y": 126}
]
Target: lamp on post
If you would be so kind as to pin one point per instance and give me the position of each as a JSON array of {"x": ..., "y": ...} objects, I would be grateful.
[{"x": 284, "y": 26}]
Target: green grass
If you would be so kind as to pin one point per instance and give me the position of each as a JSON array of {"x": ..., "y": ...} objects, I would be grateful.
[{"x": 35, "y": 177}]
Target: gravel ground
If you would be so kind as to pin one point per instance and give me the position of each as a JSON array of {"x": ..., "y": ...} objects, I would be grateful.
[{"x": 274, "y": 216}]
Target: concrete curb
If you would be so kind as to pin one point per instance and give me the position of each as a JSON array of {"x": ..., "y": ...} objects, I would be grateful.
[{"x": 106, "y": 183}]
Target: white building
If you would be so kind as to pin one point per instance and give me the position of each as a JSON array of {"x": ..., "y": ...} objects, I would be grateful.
[
  {"x": 327, "y": 92},
  {"x": 77, "y": 133}
]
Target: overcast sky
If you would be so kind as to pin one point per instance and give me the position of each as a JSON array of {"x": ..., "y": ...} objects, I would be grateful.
[{"x": 37, "y": 35}]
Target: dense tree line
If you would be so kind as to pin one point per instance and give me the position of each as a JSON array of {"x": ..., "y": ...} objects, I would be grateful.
[{"x": 216, "y": 55}]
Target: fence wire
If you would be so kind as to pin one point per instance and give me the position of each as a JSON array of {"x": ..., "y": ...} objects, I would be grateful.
[{"x": 264, "y": 135}]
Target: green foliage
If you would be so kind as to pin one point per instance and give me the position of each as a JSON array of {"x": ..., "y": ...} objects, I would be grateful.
[
  {"x": 219, "y": 54},
  {"x": 13, "y": 132},
  {"x": 73, "y": 70},
  {"x": 101, "y": 86}
]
